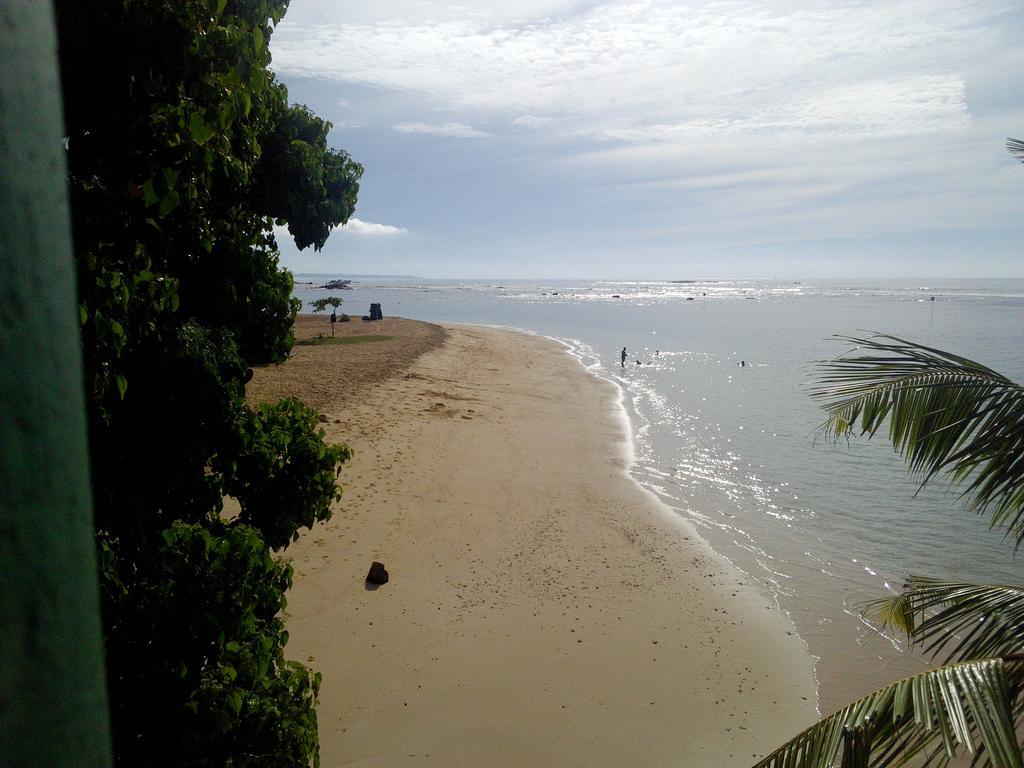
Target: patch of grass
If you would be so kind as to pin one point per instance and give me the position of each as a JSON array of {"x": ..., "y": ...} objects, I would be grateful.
[{"x": 321, "y": 340}]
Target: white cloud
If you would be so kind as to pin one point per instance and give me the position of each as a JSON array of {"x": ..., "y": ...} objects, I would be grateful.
[
  {"x": 532, "y": 121},
  {"x": 359, "y": 227},
  {"x": 354, "y": 226},
  {"x": 706, "y": 122},
  {"x": 405, "y": 12},
  {"x": 455, "y": 130},
  {"x": 665, "y": 70}
]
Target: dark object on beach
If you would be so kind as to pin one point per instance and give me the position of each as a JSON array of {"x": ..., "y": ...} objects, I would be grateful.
[
  {"x": 378, "y": 574},
  {"x": 375, "y": 313}
]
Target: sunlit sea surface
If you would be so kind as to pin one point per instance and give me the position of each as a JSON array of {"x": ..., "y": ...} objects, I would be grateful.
[{"x": 732, "y": 448}]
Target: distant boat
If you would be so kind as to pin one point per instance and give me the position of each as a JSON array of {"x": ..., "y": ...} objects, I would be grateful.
[
  {"x": 689, "y": 298},
  {"x": 616, "y": 296}
]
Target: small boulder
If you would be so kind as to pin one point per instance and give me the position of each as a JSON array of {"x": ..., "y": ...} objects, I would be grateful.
[{"x": 378, "y": 574}]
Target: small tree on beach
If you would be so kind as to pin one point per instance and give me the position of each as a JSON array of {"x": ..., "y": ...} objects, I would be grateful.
[
  {"x": 328, "y": 301},
  {"x": 183, "y": 152},
  {"x": 953, "y": 417}
]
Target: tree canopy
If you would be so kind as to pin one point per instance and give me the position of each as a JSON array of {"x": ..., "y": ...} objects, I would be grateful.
[
  {"x": 183, "y": 152},
  {"x": 323, "y": 303}
]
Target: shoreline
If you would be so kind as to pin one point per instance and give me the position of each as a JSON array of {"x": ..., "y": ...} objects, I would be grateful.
[{"x": 541, "y": 610}]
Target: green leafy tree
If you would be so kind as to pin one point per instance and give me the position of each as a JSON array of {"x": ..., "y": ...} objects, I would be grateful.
[
  {"x": 318, "y": 193},
  {"x": 183, "y": 151},
  {"x": 952, "y": 417},
  {"x": 328, "y": 301}
]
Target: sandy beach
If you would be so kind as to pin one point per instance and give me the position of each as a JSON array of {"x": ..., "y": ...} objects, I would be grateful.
[{"x": 543, "y": 609}]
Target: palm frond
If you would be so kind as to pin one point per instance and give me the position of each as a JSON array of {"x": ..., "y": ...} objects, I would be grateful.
[
  {"x": 969, "y": 707},
  {"x": 1016, "y": 148},
  {"x": 960, "y": 620},
  {"x": 945, "y": 413}
]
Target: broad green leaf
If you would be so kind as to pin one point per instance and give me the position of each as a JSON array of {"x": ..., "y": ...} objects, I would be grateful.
[
  {"x": 199, "y": 129},
  {"x": 169, "y": 203},
  {"x": 149, "y": 195}
]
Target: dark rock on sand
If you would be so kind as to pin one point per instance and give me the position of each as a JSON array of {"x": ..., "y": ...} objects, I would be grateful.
[{"x": 378, "y": 574}]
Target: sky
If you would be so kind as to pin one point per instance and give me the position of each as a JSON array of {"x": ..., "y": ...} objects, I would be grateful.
[{"x": 667, "y": 140}]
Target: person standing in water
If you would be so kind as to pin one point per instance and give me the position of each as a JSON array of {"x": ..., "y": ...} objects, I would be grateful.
[{"x": 622, "y": 358}]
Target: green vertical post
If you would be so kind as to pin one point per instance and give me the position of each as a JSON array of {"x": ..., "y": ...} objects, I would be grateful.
[{"x": 53, "y": 708}]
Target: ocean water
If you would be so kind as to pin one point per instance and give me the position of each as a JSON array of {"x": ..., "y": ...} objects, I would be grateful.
[{"x": 732, "y": 449}]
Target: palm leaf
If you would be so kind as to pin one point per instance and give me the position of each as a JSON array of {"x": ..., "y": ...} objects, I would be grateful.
[
  {"x": 1016, "y": 148},
  {"x": 945, "y": 413},
  {"x": 959, "y": 620},
  {"x": 968, "y": 707}
]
